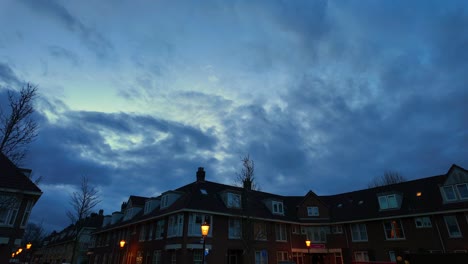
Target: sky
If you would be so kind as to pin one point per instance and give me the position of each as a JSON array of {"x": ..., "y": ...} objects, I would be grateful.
[{"x": 322, "y": 95}]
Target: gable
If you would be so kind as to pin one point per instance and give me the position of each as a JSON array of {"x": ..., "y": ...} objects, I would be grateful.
[
  {"x": 456, "y": 175},
  {"x": 312, "y": 207}
]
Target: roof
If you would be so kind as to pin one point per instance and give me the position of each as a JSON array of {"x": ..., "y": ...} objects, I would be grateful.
[
  {"x": 206, "y": 196},
  {"x": 11, "y": 177}
]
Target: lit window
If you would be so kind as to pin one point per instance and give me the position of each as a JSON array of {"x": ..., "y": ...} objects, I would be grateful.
[
  {"x": 388, "y": 202},
  {"x": 423, "y": 222},
  {"x": 393, "y": 230},
  {"x": 452, "y": 226},
  {"x": 313, "y": 211},
  {"x": 359, "y": 232},
  {"x": 233, "y": 200},
  {"x": 278, "y": 207}
]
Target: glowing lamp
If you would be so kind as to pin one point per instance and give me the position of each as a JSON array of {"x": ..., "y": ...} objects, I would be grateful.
[
  {"x": 122, "y": 243},
  {"x": 307, "y": 243},
  {"x": 28, "y": 245},
  {"x": 20, "y": 250},
  {"x": 205, "y": 228}
]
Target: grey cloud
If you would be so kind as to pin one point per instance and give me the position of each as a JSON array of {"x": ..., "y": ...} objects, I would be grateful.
[
  {"x": 63, "y": 53},
  {"x": 8, "y": 76},
  {"x": 94, "y": 40}
]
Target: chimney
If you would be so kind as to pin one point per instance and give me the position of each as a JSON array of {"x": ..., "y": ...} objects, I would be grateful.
[
  {"x": 247, "y": 184},
  {"x": 200, "y": 174}
]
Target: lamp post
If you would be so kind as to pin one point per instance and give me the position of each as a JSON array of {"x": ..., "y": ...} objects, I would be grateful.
[
  {"x": 205, "y": 228},
  {"x": 308, "y": 249},
  {"x": 121, "y": 245}
]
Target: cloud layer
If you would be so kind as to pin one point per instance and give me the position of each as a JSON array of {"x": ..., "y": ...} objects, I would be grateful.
[{"x": 323, "y": 95}]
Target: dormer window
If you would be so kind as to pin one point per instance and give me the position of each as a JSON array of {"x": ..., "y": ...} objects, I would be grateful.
[
  {"x": 277, "y": 207},
  {"x": 233, "y": 200},
  {"x": 313, "y": 211},
  {"x": 455, "y": 192},
  {"x": 164, "y": 201},
  {"x": 388, "y": 202}
]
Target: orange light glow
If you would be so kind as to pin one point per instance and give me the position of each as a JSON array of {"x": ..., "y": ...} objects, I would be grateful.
[
  {"x": 205, "y": 228},
  {"x": 28, "y": 245},
  {"x": 418, "y": 194},
  {"x": 122, "y": 243},
  {"x": 307, "y": 243}
]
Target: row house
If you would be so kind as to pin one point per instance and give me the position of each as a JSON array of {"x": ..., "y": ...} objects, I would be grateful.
[
  {"x": 18, "y": 195},
  {"x": 392, "y": 223}
]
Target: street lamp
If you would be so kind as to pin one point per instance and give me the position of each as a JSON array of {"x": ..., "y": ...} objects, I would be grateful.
[
  {"x": 122, "y": 243},
  {"x": 28, "y": 245},
  {"x": 205, "y": 228},
  {"x": 308, "y": 249}
]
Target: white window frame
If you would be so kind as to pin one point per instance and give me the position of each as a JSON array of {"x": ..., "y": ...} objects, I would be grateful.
[
  {"x": 357, "y": 235},
  {"x": 175, "y": 226},
  {"x": 361, "y": 256},
  {"x": 337, "y": 229},
  {"x": 233, "y": 200},
  {"x": 282, "y": 256},
  {"x": 235, "y": 228},
  {"x": 195, "y": 221},
  {"x": 454, "y": 218},
  {"x": 392, "y": 256},
  {"x": 386, "y": 200},
  {"x": 446, "y": 198},
  {"x": 395, "y": 227},
  {"x": 260, "y": 258},
  {"x": 165, "y": 201},
  {"x": 197, "y": 256},
  {"x": 277, "y": 207},
  {"x": 159, "y": 231},
  {"x": 312, "y": 211},
  {"x": 423, "y": 222},
  {"x": 281, "y": 233},
  {"x": 458, "y": 190},
  {"x": 27, "y": 213}
]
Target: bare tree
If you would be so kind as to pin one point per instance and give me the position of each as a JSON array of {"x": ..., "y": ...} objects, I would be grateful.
[
  {"x": 17, "y": 127},
  {"x": 246, "y": 175},
  {"x": 389, "y": 177},
  {"x": 82, "y": 203},
  {"x": 34, "y": 234}
]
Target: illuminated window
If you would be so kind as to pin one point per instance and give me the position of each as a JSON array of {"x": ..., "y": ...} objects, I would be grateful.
[{"x": 393, "y": 230}]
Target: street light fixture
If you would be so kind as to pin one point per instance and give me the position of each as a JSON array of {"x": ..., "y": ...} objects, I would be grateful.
[
  {"x": 122, "y": 243},
  {"x": 308, "y": 249},
  {"x": 28, "y": 245},
  {"x": 205, "y": 228}
]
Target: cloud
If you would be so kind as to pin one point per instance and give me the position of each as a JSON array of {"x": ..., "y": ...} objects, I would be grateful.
[
  {"x": 95, "y": 41},
  {"x": 8, "y": 77},
  {"x": 63, "y": 53}
]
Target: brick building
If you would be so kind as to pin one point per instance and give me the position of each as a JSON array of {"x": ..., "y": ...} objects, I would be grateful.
[
  {"x": 391, "y": 223},
  {"x": 18, "y": 195}
]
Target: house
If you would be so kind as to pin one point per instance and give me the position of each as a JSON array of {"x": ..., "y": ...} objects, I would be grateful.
[
  {"x": 58, "y": 247},
  {"x": 18, "y": 195},
  {"x": 405, "y": 221}
]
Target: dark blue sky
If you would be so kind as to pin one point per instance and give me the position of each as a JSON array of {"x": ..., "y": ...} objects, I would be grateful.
[{"x": 323, "y": 95}]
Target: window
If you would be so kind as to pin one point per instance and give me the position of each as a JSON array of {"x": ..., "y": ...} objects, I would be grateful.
[
  {"x": 313, "y": 211},
  {"x": 233, "y": 200},
  {"x": 462, "y": 190},
  {"x": 197, "y": 256},
  {"x": 235, "y": 228},
  {"x": 337, "y": 229},
  {"x": 392, "y": 256},
  {"x": 157, "y": 257},
  {"x": 27, "y": 212},
  {"x": 280, "y": 232},
  {"x": 142, "y": 233},
  {"x": 393, "y": 230},
  {"x": 452, "y": 226},
  {"x": 317, "y": 234},
  {"x": 9, "y": 210},
  {"x": 261, "y": 257},
  {"x": 175, "y": 225},
  {"x": 423, "y": 222},
  {"x": 277, "y": 207},
  {"x": 151, "y": 231},
  {"x": 298, "y": 257},
  {"x": 165, "y": 201},
  {"x": 359, "y": 232},
  {"x": 195, "y": 221},
  {"x": 449, "y": 193},
  {"x": 159, "y": 230},
  {"x": 388, "y": 202},
  {"x": 260, "y": 231},
  {"x": 361, "y": 256},
  {"x": 281, "y": 256},
  {"x": 139, "y": 257}
]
